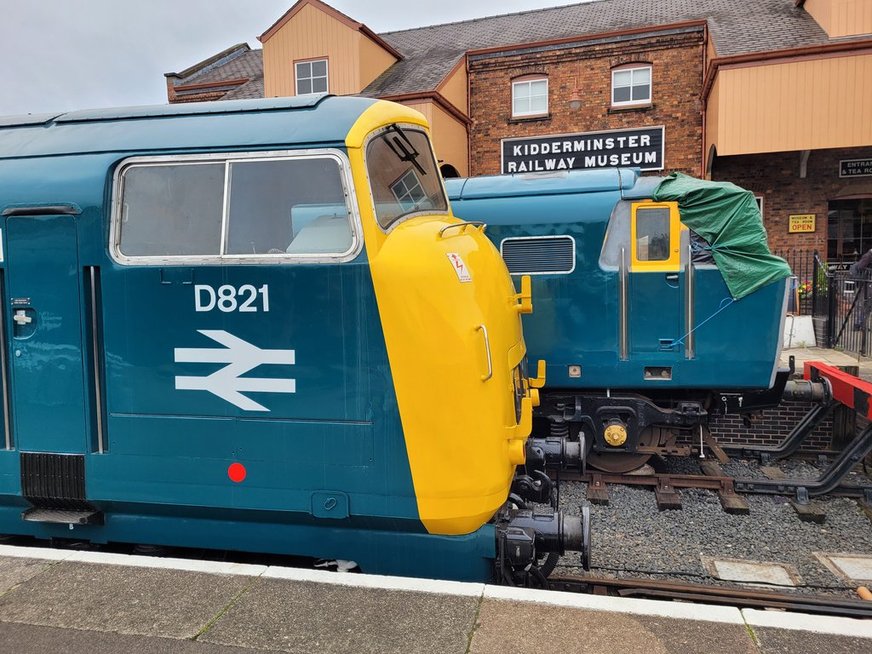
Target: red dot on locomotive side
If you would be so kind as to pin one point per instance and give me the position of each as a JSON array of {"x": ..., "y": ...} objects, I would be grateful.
[{"x": 236, "y": 472}]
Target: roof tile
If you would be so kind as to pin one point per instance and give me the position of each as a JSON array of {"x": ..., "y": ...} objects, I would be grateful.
[{"x": 736, "y": 26}]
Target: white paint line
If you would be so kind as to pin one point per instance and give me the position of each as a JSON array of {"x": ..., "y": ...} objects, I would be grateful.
[
  {"x": 132, "y": 560},
  {"x": 457, "y": 588},
  {"x": 167, "y": 563},
  {"x": 822, "y": 624},
  {"x": 629, "y": 605},
  {"x": 45, "y": 553}
]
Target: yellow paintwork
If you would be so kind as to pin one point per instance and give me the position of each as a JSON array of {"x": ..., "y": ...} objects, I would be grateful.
[
  {"x": 459, "y": 424},
  {"x": 525, "y": 297},
  {"x": 615, "y": 435},
  {"x": 539, "y": 380},
  {"x": 673, "y": 263}
]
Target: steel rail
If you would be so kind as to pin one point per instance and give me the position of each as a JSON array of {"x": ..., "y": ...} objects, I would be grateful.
[
  {"x": 709, "y": 594},
  {"x": 727, "y": 484}
]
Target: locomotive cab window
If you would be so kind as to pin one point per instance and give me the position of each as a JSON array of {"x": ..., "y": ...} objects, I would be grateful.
[
  {"x": 403, "y": 175},
  {"x": 656, "y": 237},
  {"x": 223, "y": 208}
]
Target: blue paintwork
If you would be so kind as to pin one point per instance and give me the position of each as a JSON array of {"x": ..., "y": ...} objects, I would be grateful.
[
  {"x": 280, "y": 122},
  {"x": 47, "y": 371},
  {"x": 384, "y": 551},
  {"x": 327, "y": 469},
  {"x": 575, "y": 319}
]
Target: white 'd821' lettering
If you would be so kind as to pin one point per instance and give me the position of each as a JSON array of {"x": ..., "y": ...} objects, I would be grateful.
[{"x": 228, "y": 298}]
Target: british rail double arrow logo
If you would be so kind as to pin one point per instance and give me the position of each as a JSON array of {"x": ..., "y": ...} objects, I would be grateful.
[{"x": 227, "y": 383}]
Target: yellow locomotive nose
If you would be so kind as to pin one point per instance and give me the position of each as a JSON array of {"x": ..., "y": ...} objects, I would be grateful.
[{"x": 466, "y": 436}]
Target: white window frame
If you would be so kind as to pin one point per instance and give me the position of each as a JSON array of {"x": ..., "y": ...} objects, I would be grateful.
[
  {"x": 759, "y": 199},
  {"x": 631, "y": 102},
  {"x": 525, "y": 114},
  {"x": 228, "y": 158},
  {"x": 311, "y": 77}
]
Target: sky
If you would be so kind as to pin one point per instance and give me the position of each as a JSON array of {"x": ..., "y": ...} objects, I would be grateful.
[{"x": 61, "y": 55}]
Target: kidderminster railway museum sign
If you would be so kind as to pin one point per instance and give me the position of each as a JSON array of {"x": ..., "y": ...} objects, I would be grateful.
[{"x": 627, "y": 148}]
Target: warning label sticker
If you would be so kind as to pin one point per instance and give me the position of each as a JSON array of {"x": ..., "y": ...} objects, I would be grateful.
[{"x": 459, "y": 267}]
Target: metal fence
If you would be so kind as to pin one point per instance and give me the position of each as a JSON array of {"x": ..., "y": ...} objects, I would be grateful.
[
  {"x": 849, "y": 300},
  {"x": 838, "y": 299},
  {"x": 805, "y": 273}
]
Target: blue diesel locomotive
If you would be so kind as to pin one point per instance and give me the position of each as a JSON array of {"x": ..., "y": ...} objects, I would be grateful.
[
  {"x": 257, "y": 326},
  {"x": 658, "y": 303}
]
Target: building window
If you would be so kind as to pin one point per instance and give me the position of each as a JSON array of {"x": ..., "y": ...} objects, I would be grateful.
[
  {"x": 311, "y": 76},
  {"x": 759, "y": 200},
  {"x": 631, "y": 86},
  {"x": 849, "y": 230},
  {"x": 530, "y": 97}
]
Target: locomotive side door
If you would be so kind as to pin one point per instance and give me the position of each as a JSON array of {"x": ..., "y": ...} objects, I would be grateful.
[
  {"x": 45, "y": 349},
  {"x": 656, "y": 282}
]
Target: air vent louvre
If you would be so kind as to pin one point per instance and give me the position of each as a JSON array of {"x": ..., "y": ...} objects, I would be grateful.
[
  {"x": 539, "y": 255},
  {"x": 55, "y": 481}
]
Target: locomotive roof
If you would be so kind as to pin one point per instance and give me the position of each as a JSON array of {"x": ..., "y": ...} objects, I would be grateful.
[
  {"x": 626, "y": 180},
  {"x": 239, "y": 123}
]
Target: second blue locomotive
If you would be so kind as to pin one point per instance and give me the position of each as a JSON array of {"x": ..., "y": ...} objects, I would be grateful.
[{"x": 658, "y": 303}]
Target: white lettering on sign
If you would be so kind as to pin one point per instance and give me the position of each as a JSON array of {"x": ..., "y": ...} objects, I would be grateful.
[
  {"x": 228, "y": 298},
  {"x": 459, "y": 267},
  {"x": 227, "y": 382},
  {"x": 642, "y": 147}
]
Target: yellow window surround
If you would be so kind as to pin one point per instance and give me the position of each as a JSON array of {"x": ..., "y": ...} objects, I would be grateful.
[{"x": 641, "y": 247}]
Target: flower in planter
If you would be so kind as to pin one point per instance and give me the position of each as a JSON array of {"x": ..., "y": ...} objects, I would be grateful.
[{"x": 804, "y": 289}]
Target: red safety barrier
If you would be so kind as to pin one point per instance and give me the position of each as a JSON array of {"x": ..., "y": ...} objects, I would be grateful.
[{"x": 851, "y": 391}]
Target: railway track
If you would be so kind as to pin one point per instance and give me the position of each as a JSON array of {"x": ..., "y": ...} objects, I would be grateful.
[
  {"x": 729, "y": 489},
  {"x": 743, "y": 598}
]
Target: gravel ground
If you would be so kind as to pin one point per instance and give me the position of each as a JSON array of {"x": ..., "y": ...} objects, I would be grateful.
[{"x": 630, "y": 537}]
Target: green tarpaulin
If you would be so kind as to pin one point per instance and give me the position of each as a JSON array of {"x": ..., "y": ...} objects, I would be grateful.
[{"x": 728, "y": 218}]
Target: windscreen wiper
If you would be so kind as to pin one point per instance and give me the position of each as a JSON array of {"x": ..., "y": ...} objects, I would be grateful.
[{"x": 401, "y": 146}]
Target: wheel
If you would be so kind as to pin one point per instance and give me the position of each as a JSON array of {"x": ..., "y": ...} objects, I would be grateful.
[{"x": 621, "y": 462}]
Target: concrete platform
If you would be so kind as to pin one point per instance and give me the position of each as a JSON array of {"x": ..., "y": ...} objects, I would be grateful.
[
  {"x": 832, "y": 357},
  {"x": 95, "y": 603}
]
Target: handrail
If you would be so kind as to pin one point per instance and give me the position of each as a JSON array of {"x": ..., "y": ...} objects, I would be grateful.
[
  {"x": 623, "y": 309},
  {"x": 490, "y": 366},
  {"x": 690, "y": 296},
  {"x": 462, "y": 225}
]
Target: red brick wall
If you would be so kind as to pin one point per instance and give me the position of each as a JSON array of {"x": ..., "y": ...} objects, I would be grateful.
[
  {"x": 677, "y": 81},
  {"x": 776, "y": 178},
  {"x": 771, "y": 427}
]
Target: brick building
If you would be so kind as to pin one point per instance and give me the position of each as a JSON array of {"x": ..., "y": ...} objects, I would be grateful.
[{"x": 775, "y": 95}]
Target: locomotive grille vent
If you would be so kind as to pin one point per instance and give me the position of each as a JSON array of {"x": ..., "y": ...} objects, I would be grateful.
[
  {"x": 53, "y": 480},
  {"x": 539, "y": 255}
]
